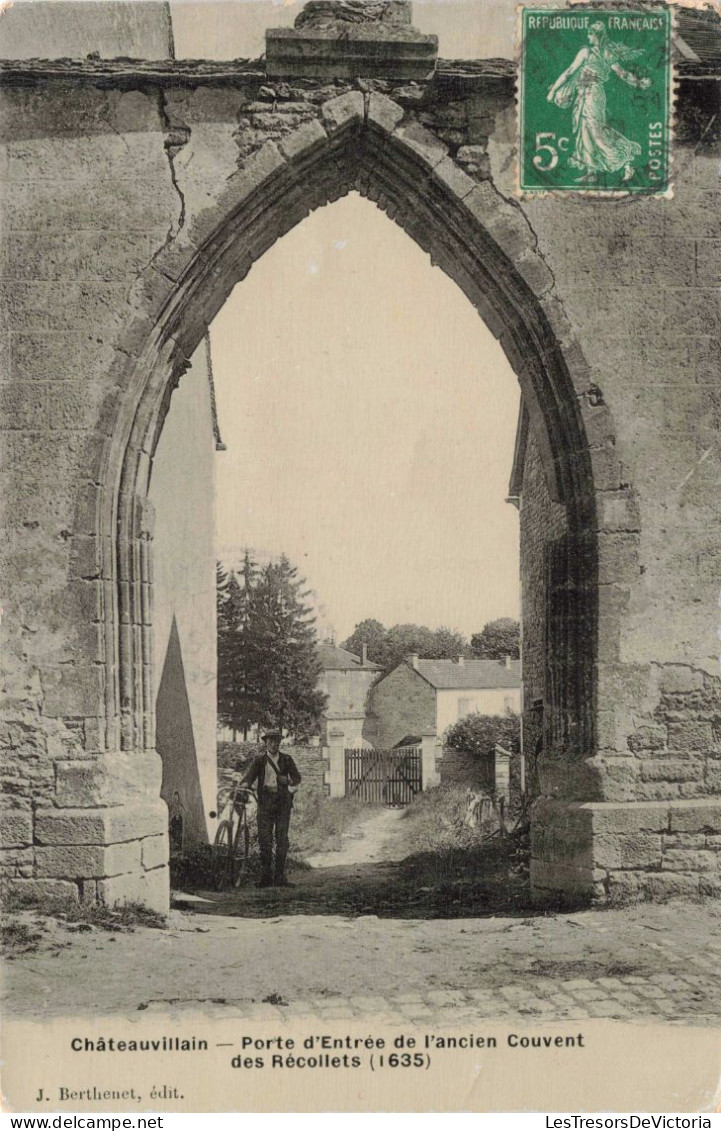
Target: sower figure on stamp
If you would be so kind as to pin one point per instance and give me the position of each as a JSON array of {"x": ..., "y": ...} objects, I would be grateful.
[
  {"x": 599, "y": 148},
  {"x": 275, "y": 774}
]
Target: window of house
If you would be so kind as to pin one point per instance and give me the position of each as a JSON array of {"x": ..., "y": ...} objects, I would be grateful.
[{"x": 464, "y": 707}]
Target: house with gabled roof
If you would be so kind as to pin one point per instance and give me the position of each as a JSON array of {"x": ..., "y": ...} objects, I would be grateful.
[
  {"x": 423, "y": 697},
  {"x": 346, "y": 679}
]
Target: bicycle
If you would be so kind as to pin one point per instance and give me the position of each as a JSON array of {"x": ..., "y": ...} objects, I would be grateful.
[{"x": 231, "y": 846}]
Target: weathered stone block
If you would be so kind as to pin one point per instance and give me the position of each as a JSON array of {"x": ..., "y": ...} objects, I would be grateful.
[
  {"x": 617, "y": 510},
  {"x": 506, "y": 225},
  {"x": 696, "y": 816},
  {"x": 152, "y": 889},
  {"x": 87, "y": 861},
  {"x": 689, "y": 860},
  {"x": 668, "y": 770},
  {"x": 640, "y": 850},
  {"x": 24, "y": 406},
  {"x": 128, "y": 888},
  {"x": 709, "y": 886},
  {"x": 652, "y": 737},
  {"x": 560, "y": 880},
  {"x": 623, "y": 886},
  {"x": 251, "y": 174},
  {"x": 618, "y": 558},
  {"x": 303, "y": 141},
  {"x": 101, "y": 826},
  {"x": 384, "y": 112},
  {"x": 154, "y": 851},
  {"x": 43, "y": 890},
  {"x": 343, "y": 111},
  {"x": 109, "y": 780},
  {"x": 672, "y": 885},
  {"x": 535, "y": 272},
  {"x": 695, "y": 734},
  {"x": 658, "y": 791},
  {"x": 73, "y": 691},
  {"x": 16, "y": 828},
  {"x": 156, "y": 890},
  {"x": 685, "y": 840}
]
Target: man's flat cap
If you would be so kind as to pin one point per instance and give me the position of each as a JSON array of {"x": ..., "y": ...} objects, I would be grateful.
[{"x": 272, "y": 734}]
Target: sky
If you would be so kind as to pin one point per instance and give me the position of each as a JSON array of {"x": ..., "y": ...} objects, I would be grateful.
[
  {"x": 369, "y": 418},
  {"x": 230, "y": 29}
]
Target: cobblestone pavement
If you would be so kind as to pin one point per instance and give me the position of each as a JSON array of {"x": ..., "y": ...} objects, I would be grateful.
[
  {"x": 692, "y": 996},
  {"x": 642, "y": 964},
  {"x": 682, "y": 999}
]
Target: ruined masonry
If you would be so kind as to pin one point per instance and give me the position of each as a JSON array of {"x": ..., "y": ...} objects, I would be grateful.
[{"x": 136, "y": 193}]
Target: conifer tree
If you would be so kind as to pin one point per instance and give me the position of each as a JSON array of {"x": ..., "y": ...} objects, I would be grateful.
[
  {"x": 285, "y": 654},
  {"x": 268, "y": 666}
]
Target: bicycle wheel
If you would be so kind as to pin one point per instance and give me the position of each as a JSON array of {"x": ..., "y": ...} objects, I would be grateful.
[
  {"x": 222, "y": 863},
  {"x": 241, "y": 850}
]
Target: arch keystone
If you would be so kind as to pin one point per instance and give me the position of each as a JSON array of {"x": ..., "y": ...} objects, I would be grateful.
[
  {"x": 303, "y": 140},
  {"x": 345, "y": 110},
  {"x": 384, "y": 112}
]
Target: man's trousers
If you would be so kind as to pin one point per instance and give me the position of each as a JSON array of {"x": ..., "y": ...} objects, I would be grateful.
[{"x": 273, "y": 818}]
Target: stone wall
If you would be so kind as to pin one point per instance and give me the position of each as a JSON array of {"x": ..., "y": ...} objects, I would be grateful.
[
  {"x": 312, "y": 761},
  {"x": 136, "y": 195}
]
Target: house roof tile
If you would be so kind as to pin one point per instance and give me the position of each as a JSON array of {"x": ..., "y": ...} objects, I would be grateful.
[
  {"x": 471, "y": 674},
  {"x": 336, "y": 659}
]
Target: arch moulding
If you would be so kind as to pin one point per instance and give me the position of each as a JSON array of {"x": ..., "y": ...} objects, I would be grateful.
[{"x": 481, "y": 240}]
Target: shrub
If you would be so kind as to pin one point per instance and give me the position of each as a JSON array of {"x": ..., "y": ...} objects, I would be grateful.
[{"x": 478, "y": 734}]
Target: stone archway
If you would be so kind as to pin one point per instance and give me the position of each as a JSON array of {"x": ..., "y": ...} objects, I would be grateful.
[
  {"x": 485, "y": 244},
  {"x": 134, "y": 207}
]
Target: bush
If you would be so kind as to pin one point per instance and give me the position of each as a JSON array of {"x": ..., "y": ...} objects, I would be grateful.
[{"x": 478, "y": 735}]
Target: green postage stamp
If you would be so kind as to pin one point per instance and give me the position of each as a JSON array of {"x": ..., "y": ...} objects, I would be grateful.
[{"x": 595, "y": 100}]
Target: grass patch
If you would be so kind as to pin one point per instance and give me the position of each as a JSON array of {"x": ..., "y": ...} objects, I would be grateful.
[
  {"x": 121, "y": 917},
  {"x": 18, "y": 938},
  {"x": 319, "y": 822},
  {"x": 433, "y": 822}
]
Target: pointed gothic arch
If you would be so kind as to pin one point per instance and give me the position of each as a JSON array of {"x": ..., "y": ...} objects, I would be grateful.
[{"x": 482, "y": 241}]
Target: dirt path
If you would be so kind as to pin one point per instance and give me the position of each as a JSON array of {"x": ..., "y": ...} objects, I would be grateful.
[{"x": 369, "y": 843}]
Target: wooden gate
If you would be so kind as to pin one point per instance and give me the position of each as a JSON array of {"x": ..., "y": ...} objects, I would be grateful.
[{"x": 386, "y": 777}]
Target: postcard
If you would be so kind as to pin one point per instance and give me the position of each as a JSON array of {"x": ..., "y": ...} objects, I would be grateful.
[{"x": 361, "y": 565}]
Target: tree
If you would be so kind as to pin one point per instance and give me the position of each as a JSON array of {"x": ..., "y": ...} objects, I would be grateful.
[
  {"x": 498, "y": 639},
  {"x": 371, "y": 633},
  {"x": 389, "y": 646},
  {"x": 449, "y": 644},
  {"x": 237, "y": 693},
  {"x": 478, "y": 735},
  {"x": 282, "y": 652}
]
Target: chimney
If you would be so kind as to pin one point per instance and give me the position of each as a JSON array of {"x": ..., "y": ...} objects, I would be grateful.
[
  {"x": 413, "y": 660},
  {"x": 508, "y": 662},
  {"x": 461, "y": 661},
  {"x": 364, "y": 655}
]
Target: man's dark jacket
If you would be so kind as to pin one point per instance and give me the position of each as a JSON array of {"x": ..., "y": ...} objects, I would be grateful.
[{"x": 255, "y": 774}]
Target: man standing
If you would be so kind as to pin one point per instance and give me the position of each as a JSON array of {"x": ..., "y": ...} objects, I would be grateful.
[{"x": 274, "y": 773}]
